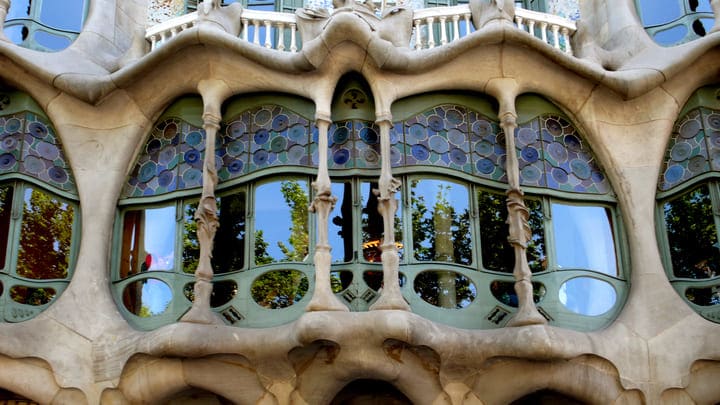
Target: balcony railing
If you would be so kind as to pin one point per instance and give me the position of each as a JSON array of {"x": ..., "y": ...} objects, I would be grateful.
[{"x": 432, "y": 27}]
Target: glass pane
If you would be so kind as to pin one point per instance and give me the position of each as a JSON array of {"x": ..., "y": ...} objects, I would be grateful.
[
  {"x": 223, "y": 292},
  {"x": 671, "y": 36},
  {"x": 45, "y": 237},
  {"x": 148, "y": 240},
  {"x": 31, "y": 296},
  {"x": 281, "y": 221},
  {"x": 374, "y": 279},
  {"x": 445, "y": 289},
  {"x": 51, "y": 41},
  {"x": 587, "y": 296},
  {"x": 703, "y": 6},
  {"x": 584, "y": 238},
  {"x": 692, "y": 235},
  {"x": 656, "y": 12},
  {"x": 63, "y": 15},
  {"x": 340, "y": 232},
  {"x": 497, "y": 253},
  {"x": 340, "y": 280},
  {"x": 17, "y": 33},
  {"x": 279, "y": 289},
  {"x": 372, "y": 224},
  {"x": 148, "y": 297},
  {"x": 504, "y": 291},
  {"x": 19, "y": 9},
  {"x": 6, "y": 197},
  {"x": 705, "y": 296},
  {"x": 440, "y": 221},
  {"x": 229, "y": 243}
]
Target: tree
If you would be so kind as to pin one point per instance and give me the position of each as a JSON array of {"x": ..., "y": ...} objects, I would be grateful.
[{"x": 297, "y": 199}]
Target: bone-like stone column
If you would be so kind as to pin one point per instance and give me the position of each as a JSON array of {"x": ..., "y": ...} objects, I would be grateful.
[
  {"x": 390, "y": 297},
  {"x": 323, "y": 298},
  {"x": 715, "y": 4},
  {"x": 206, "y": 213},
  {"x": 4, "y": 7},
  {"x": 519, "y": 229}
]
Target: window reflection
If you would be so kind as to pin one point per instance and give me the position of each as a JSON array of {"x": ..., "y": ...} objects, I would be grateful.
[
  {"x": 373, "y": 227},
  {"x": 440, "y": 221},
  {"x": 584, "y": 238},
  {"x": 497, "y": 253},
  {"x": 281, "y": 221},
  {"x": 148, "y": 240},
  {"x": 587, "y": 296},
  {"x": 147, "y": 297},
  {"x": 279, "y": 289},
  {"x": 656, "y": 12},
  {"x": 31, "y": 296},
  {"x": 340, "y": 232},
  {"x": 45, "y": 237},
  {"x": 229, "y": 243},
  {"x": 692, "y": 235},
  {"x": 6, "y": 198},
  {"x": 445, "y": 289}
]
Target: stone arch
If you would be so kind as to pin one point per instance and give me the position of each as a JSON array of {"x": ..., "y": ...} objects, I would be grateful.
[{"x": 364, "y": 391}]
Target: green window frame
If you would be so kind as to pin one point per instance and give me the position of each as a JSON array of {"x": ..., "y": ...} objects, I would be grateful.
[
  {"x": 35, "y": 271},
  {"x": 45, "y": 25},
  {"x": 674, "y": 22}
]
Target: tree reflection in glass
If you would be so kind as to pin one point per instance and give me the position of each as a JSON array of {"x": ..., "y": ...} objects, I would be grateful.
[
  {"x": 281, "y": 221},
  {"x": 584, "y": 238},
  {"x": 229, "y": 243},
  {"x": 440, "y": 221},
  {"x": 497, "y": 253},
  {"x": 148, "y": 240},
  {"x": 6, "y": 197},
  {"x": 45, "y": 237},
  {"x": 372, "y": 225},
  {"x": 692, "y": 235}
]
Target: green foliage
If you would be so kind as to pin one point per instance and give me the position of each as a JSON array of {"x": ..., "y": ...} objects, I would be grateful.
[
  {"x": 45, "y": 238},
  {"x": 279, "y": 289},
  {"x": 32, "y": 296},
  {"x": 297, "y": 199},
  {"x": 261, "y": 253},
  {"x": 692, "y": 235}
]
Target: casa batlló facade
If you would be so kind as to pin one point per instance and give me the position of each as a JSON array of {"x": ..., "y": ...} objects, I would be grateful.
[{"x": 287, "y": 202}]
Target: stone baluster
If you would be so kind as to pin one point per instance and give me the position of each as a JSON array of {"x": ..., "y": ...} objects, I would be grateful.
[
  {"x": 153, "y": 42},
  {"x": 467, "y": 24},
  {"x": 543, "y": 31},
  {"x": 566, "y": 37},
  {"x": 293, "y": 38},
  {"x": 245, "y": 29},
  {"x": 443, "y": 30},
  {"x": 256, "y": 33},
  {"x": 268, "y": 34},
  {"x": 431, "y": 35},
  {"x": 519, "y": 229},
  {"x": 390, "y": 296},
  {"x": 206, "y": 213},
  {"x": 556, "y": 37},
  {"x": 519, "y": 22},
  {"x": 4, "y": 7},
  {"x": 456, "y": 27},
  {"x": 323, "y": 298},
  {"x": 531, "y": 27},
  {"x": 281, "y": 37},
  {"x": 418, "y": 35}
]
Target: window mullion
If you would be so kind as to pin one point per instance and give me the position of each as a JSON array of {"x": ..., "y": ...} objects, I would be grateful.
[
  {"x": 16, "y": 225},
  {"x": 549, "y": 233}
]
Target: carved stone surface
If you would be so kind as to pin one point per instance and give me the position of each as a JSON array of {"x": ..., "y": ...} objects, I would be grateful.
[{"x": 622, "y": 91}]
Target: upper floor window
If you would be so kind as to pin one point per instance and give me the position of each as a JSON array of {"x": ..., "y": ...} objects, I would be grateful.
[
  {"x": 448, "y": 151},
  {"x": 672, "y": 22},
  {"x": 38, "y": 211},
  {"x": 45, "y": 25},
  {"x": 689, "y": 203}
]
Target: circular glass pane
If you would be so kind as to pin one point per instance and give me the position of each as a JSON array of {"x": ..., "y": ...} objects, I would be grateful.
[
  {"x": 279, "y": 288},
  {"x": 705, "y": 296},
  {"x": 445, "y": 289},
  {"x": 147, "y": 297},
  {"x": 340, "y": 280},
  {"x": 31, "y": 296},
  {"x": 374, "y": 279},
  {"x": 504, "y": 291},
  {"x": 223, "y": 292},
  {"x": 587, "y": 296}
]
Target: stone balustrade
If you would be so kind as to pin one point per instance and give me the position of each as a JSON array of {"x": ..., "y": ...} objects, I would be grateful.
[{"x": 433, "y": 27}]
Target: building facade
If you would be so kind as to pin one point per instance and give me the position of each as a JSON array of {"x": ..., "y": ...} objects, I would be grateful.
[{"x": 312, "y": 203}]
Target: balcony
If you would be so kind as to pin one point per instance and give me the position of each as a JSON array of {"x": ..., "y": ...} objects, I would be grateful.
[{"x": 431, "y": 28}]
